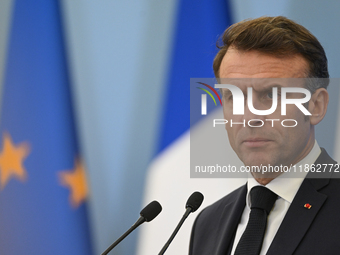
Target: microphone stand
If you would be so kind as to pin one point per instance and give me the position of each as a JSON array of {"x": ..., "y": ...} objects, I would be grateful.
[
  {"x": 134, "y": 226},
  {"x": 165, "y": 247}
]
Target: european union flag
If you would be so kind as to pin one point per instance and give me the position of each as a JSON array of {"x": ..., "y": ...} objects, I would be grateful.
[{"x": 43, "y": 188}]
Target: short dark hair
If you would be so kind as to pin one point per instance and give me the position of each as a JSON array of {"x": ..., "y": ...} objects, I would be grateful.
[{"x": 277, "y": 36}]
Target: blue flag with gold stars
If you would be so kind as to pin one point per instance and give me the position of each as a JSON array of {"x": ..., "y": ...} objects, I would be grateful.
[{"x": 43, "y": 187}]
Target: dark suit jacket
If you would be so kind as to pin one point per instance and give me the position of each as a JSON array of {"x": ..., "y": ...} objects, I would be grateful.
[{"x": 303, "y": 231}]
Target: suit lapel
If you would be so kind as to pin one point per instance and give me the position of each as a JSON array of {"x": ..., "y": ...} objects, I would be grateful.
[
  {"x": 229, "y": 220},
  {"x": 298, "y": 218}
]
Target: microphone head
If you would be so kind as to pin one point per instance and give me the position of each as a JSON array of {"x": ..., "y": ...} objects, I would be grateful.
[
  {"x": 195, "y": 201},
  {"x": 151, "y": 211}
]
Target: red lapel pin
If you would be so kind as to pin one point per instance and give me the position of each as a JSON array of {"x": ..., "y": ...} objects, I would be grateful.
[{"x": 308, "y": 206}]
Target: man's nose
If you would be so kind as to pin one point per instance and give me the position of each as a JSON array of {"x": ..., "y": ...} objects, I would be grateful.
[{"x": 256, "y": 119}]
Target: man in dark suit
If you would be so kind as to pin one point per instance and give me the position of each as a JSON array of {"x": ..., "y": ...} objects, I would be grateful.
[{"x": 304, "y": 215}]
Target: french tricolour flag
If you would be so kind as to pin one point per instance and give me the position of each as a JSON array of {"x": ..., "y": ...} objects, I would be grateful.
[{"x": 198, "y": 26}]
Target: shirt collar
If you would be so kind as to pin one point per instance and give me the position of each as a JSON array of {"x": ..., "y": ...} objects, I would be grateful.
[{"x": 281, "y": 186}]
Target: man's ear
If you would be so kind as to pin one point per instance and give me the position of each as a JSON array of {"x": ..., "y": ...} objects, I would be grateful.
[{"x": 318, "y": 105}]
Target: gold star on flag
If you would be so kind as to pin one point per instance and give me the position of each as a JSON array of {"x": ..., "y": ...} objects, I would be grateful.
[
  {"x": 11, "y": 160},
  {"x": 75, "y": 180}
]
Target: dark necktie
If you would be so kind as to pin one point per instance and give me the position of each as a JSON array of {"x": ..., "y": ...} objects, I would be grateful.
[{"x": 262, "y": 201}]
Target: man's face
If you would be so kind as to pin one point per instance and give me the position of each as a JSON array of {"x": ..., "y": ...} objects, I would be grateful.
[{"x": 266, "y": 145}]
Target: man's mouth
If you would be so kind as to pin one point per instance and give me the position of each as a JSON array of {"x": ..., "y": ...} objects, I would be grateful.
[{"x": 256, "y": 142}]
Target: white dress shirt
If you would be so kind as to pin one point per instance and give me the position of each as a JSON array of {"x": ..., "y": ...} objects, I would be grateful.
[{"x": 286, "y": 190}]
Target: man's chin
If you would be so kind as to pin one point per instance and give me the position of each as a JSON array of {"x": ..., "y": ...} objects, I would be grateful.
[
  {"x": 275, "y": 157},
  {"x": 262, "y": 167},
  {"x": 258, "y": 161},
  {"x": 265, "y": 175}
]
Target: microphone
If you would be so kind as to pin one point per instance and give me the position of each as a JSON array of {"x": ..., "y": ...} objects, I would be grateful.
[
  {"x": 193, "y": 203},
  {"x": 147, "y": 214}
]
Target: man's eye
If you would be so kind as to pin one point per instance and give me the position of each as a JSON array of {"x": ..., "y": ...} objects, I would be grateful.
[
  {"x": 228, "y": 97},
  {"x": 270, "y": 95}
]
